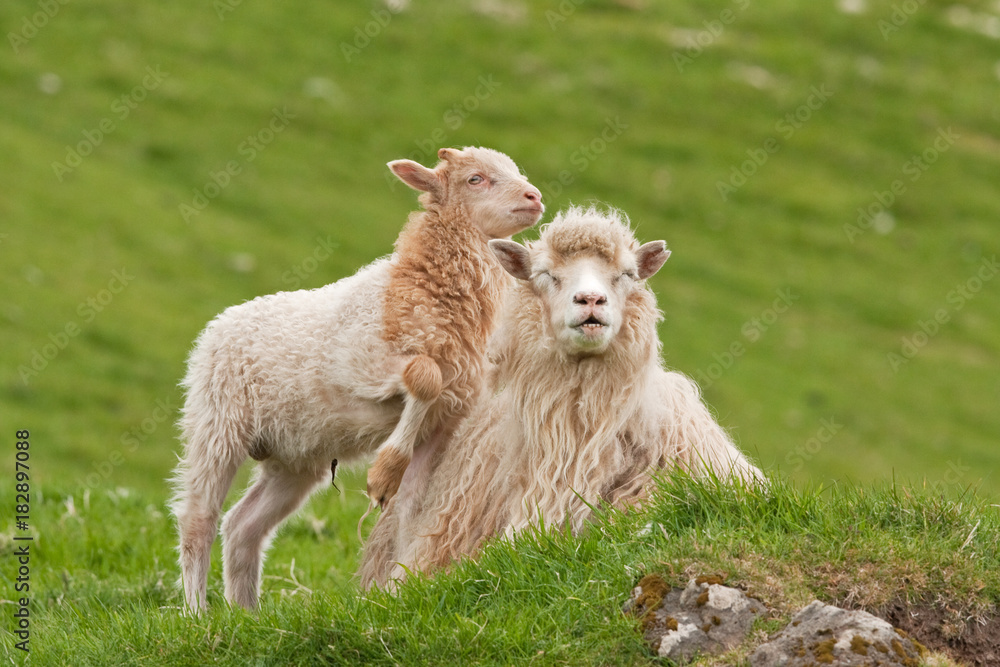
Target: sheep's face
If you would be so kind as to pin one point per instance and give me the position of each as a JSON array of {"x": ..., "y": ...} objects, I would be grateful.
[
  {"x": 583, "y": 298},
  {"x": 583, "y": 294},
  {"x": 499, "y": 200}
]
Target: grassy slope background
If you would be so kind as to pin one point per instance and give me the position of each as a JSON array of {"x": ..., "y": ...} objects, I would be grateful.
[{"x": 543, "y": 89}]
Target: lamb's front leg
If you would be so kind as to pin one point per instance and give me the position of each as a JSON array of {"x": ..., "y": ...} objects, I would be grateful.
[{"x": 422, "y": 381}]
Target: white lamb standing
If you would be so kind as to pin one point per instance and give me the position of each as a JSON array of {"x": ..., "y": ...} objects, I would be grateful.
[
  {"x": 386, "y": 360},
  {"x": 582, "y": 412}
]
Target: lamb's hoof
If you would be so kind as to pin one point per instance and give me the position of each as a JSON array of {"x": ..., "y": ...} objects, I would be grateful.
[{"x": 385, "y": 475}]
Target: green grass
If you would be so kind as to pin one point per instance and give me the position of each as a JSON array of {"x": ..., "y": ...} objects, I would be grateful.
[
  {"x": 547, "y": 598},
  {"x": 101, "y": 409}
]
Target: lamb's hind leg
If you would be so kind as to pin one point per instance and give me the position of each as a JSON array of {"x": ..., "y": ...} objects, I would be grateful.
[
  {"x": 422, "y": 381},
  {"x": 203, "y": 478},
  {"x": 249, "y": 525}
]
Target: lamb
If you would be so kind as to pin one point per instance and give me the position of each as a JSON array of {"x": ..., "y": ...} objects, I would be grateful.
[
  {"x": 386, "y": 360},
  {"x": 582, "y": 411}
]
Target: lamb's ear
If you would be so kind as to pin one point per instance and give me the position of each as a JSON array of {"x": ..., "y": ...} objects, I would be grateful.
[
  {"x": 651, "y": 257},
  {"x": 513, "y": 256},
  {"x": 447, "y": 153},
  {"x": 416, "y": 175}
]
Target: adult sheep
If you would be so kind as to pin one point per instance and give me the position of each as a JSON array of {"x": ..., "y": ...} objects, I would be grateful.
[
  {"x": 388, "y": 359},
  {"x": 582, "y": 414}
]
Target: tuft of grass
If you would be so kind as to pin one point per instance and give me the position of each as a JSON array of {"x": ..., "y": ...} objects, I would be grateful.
[{"x": 544, "y": 597}]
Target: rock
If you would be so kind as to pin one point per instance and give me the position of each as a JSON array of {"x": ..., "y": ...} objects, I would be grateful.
[
  {"x": 822, "y": 634},
  {"x": 704, "y": 618}
]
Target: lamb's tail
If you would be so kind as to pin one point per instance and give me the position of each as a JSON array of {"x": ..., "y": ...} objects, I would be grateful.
[{"x": 215, "y": 435}]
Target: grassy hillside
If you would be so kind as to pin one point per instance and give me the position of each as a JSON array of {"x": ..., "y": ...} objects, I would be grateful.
[
  {"x": 824, "y": 173},
  {"x": 547, "y": 599}
]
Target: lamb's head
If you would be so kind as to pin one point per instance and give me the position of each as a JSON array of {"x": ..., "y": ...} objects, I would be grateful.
[
  {"x": 497, "y": 197},
  {"x": 585, "y": 270}
]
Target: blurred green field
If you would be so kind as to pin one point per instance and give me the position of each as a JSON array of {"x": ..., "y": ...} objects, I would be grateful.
[{"x": 162, "y": 162}]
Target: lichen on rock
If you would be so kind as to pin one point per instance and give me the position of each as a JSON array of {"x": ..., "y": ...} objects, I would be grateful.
[
  {"x": 703, "y": 618},
  {"x": 821, "y": 634}
]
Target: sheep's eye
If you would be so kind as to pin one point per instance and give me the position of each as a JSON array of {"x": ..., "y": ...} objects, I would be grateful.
[
  {"x": 475, "y": 180},
  {"x": 627, "y": 274},
  {"x": 548, "y": 277}
]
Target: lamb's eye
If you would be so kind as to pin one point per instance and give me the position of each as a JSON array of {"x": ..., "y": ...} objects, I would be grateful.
[{"x": 475, "y": 180}]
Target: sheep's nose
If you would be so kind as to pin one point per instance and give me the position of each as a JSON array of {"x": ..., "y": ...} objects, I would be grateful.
[
  {"x": 590, "y": 299},
  {"x": 533, "y": 196}
]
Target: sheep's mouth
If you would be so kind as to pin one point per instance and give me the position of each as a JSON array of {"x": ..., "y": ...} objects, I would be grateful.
[
  {"x": 591, "y": 325},
  {"x": 534, "y": 210}
]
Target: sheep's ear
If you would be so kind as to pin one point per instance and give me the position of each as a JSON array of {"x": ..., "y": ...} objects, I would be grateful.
[
  {"x": 416, "y": 175},
  {"x": 651, "y": 257},
  {"x": 513, "y": 256},
  {"x": 447, "y": 153}
]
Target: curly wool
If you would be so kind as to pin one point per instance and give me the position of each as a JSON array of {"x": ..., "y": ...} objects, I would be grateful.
[
  {"x": 441, "y": 301},
  {"x": 579, "y": 230}
]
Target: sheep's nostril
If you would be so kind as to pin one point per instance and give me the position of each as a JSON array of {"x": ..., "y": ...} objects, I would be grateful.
[
  {"x": 585, "y": 299},
  {"x": 532, "y": 196}
]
